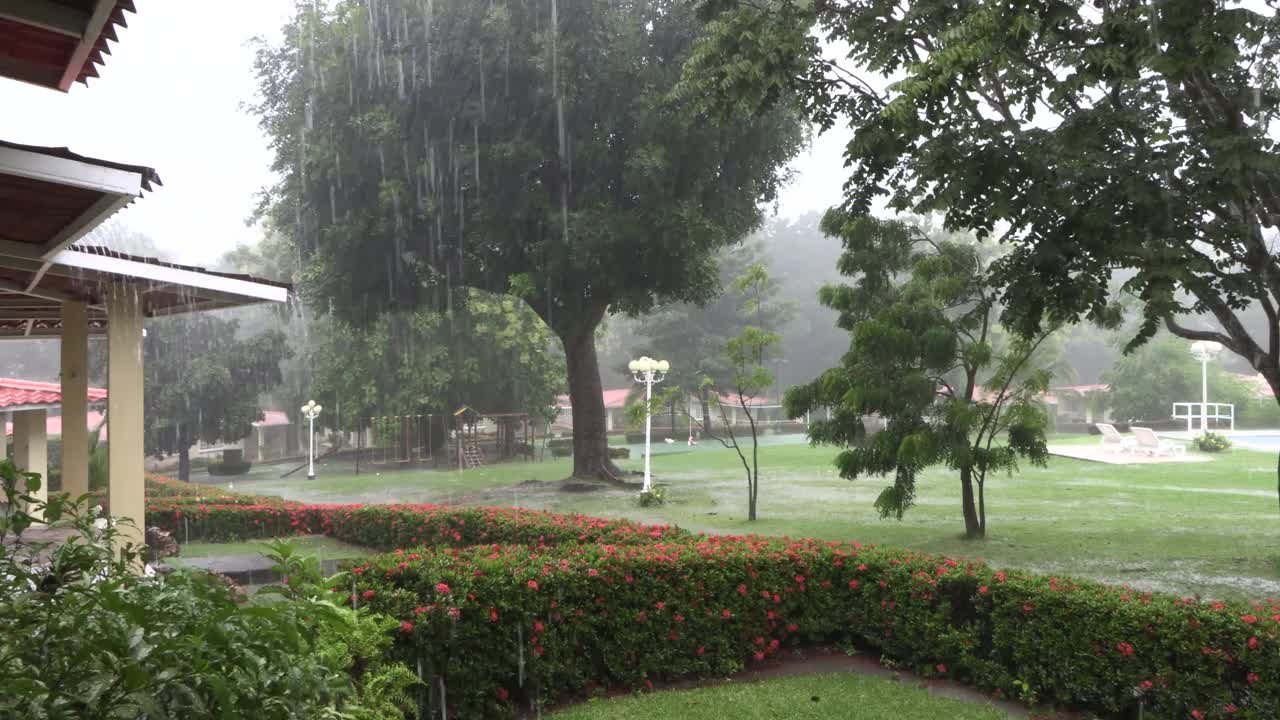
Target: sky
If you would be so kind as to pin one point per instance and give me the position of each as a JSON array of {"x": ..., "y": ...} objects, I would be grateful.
[{"x": 170, "y": 97}]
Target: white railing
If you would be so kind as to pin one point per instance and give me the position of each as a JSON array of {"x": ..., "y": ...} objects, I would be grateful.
[{"x": 1193, "y": 411}]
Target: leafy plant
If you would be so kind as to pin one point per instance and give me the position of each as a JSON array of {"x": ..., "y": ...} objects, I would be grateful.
[
  {"x": 654, "y": 496},
  {"x": 85, "y": 633},
  {"x": 1212, "y": 442}
]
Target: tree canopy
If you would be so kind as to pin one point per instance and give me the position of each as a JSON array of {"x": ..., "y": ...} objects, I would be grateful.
[
  {"x": 509, "y": 147},
  {"x": 927, "y": 359},
  {"x": 203, "y": 382}
]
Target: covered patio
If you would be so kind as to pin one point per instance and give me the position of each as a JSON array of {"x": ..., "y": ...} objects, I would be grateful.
[{"x": 49, "y": 199}]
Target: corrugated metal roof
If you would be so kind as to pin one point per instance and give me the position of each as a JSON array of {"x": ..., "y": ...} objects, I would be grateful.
[{"x": 38, "y": 51}]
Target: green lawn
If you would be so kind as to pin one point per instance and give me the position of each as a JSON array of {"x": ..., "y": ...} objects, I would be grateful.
[
  {"x": 315, "y": 545},
  {"x": 1209, "y": 528},
  {"x": 826, "y": 697}
]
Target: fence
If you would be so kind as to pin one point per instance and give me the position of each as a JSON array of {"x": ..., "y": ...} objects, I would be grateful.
[{"x": 1191, "y": 411}]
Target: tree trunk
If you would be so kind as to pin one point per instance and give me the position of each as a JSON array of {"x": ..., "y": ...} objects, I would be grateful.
[
  {"x": 972, "y": 528},
  {"x": 590, "y": 443},
  {"x": 706, "y": 410},
  {"x": 184, "y": 460}
]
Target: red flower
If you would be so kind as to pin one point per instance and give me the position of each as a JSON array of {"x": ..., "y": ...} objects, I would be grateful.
[
  {"x": 982, "y": 590},
  {"x": 1252, "y": 678},
  {"x": 442, "y": 588},
  {"x": 1197, "y": 715},
  {"x": 533, "y": 584},
  {"x": 699, "y": 652},
  {"x": 726, "y": 614},
  {"x": 419, "y": 610},
  {"x": 862, "y": 567},
  {"x": 455, "y": 613},
  {"x": 1027, "y": 608},
  {"x": 759, "y": 640},
  {"x": 537, "y": 650},
  {"x": 1001, "y": 576},
  {"x": 759, "y": 656},
  {"x": 503, "y": 694},
  {"x": 792, "y": 627},
  {"x": 742, "y": 589},
  {"x": 493, "y": 615},
  {"x": 406, "y": 627},
  {"x": 367, "y": 594},
  {"x": 1253, "y": 643},
  {"x": 1230, "y": 708},
  {"x": 941, "y": 668},
  {"x": 853, "y": 584},
  {"x": 1250, "y": 619},
  {"x": 592, "y": 572},
  {"x": 1146, "y": 684},
  {"x": 659, "y": 605}
]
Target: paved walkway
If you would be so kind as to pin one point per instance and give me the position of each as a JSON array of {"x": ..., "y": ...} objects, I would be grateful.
[{"x": 1095, "y": 453}]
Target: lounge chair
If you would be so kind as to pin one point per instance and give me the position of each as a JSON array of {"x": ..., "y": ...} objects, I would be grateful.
[
  {"x": 1112, "y": 439},
  {"x": 1149, "y": 443}
]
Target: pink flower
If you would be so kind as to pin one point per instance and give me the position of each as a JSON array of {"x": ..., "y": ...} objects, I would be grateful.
[
  {"x": 853, "y": 584},
  {"x": 592, "y": 572},
  {"x": 442, "y": 589},
  {"x": 759, "y": 640},
  {"x": 1001, "y": 576},
  {"x": 1146, "y": 684},
  {"x": 982, "y": 590},
  {"x": 538, "y": 626},
  {"x": 419, "y": 610},
  {"x": 1252, "y": 678},
  {"x": 1253, "y": 643},
  {"x": 368, "y": 594},
  {"x": 455, "y": 613},
  {"x": 1124, "y": 648},
  {"x": 699, "y": 652},
  {"x": 503, "y": 694},
  {"x": 533, "y": 584},
  {"x": 726, "y": 614},
  {"x": 1197, "y": 715},
  {"x": 941, "y": 668},
  {"x": 493, "y": 615},
  {"x": 678, "y": 618},
  {"x": 862, "y": 567},
  {"x": 742, "y": 589},
  {"x": 1230, "y": 708},
  {"x": 406, "y": 627},
  {"x": 659, "y": 605},
  {"x": 759, "y": 656},
  {"x": 1250, "y": 619}
]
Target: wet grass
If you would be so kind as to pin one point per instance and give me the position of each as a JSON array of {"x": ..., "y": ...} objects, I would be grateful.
[
  {"x": 308, "y": 545},
  {"x": 1210, "y": 528},
  {"x": 825, "y": 697}
]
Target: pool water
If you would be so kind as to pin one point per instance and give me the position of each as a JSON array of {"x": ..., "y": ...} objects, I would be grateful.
[{"x": 1257, "y": 442}]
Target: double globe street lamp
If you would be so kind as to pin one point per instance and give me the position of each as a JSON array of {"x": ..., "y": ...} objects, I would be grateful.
[
  {"x": 311, "y": 411},
  {"x": 648, "y": 371}
]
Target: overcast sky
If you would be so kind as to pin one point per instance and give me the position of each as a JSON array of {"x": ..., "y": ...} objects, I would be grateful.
[{"x": 170, "y": 98}]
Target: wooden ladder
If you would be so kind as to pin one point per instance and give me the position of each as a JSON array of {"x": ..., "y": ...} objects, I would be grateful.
[{"x": 471, "y": 455}]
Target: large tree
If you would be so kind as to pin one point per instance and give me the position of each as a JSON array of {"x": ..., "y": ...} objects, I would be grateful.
[
  {"x": 927, "y": 357},
  {"x": 528, "y": 148},
  {"x": 1094, "y": 137},
  {"x": 203, "y": 382}
]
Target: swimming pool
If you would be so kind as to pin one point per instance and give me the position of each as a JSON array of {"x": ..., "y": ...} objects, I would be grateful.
[{"x": 1256, "y": 441}]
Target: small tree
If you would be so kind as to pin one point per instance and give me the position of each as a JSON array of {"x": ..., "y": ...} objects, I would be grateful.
[
  {"x": 746, "y": 377},
  {"x": 1145, "y": 383},
  {"x": 922, "y": 319}
]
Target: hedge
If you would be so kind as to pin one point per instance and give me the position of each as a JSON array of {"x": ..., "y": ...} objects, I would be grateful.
[
  {"x": 386, "y": 527},
  {"x": 499, "y": 627}
]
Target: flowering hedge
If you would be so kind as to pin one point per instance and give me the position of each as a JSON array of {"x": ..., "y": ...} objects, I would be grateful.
[
  {"x": 501, "y": 626},
  {"x": 390, "y": 526}
]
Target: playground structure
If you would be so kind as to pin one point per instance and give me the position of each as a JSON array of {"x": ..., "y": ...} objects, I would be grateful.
[
  {"x": 463, "y": 439},
  {"x": 480, "y": 438}
]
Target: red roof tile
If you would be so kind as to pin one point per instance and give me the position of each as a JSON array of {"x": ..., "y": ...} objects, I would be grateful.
[{"x": 15, "y": 393}]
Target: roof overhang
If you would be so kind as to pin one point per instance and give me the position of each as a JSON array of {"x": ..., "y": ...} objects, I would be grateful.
[
  {"x": 56, "y": 43},
  {"x": 52, "y": 197}
]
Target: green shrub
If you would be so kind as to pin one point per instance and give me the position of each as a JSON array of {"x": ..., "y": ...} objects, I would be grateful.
[
  {"x": 1212, "y": 442},
  {"x": 589, "y": 616},
  {"x": 87, "y": 636},
  {"x": 224, "y": 469},
  {"x": 561, "y": 450},
  {"x": 654, "y": 496},
  {"x": 393, "y": 526},
  {"x": 619, "y": 453}
]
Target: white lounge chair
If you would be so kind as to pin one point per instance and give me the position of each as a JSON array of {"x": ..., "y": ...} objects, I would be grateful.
[
  {"x": 1112, "y": 439},
  {"x": 1149, "y": 443}
]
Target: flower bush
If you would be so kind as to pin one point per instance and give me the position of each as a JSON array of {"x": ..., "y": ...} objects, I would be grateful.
[
  {"x": 499, "y": 626},
  {"x": 391, "y": 526}
]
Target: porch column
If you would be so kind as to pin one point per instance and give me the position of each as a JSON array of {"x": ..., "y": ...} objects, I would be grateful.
[
  {"x": 75, "y": 402},
  {"x": 127, "y": 488},
  {"x": 31, "y": 447}
]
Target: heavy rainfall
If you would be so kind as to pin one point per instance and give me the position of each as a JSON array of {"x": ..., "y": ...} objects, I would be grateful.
[{"x": 515, "y": 358}]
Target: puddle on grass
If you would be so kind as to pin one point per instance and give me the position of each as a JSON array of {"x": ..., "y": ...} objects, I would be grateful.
[{"x": 1180, "y": 577}]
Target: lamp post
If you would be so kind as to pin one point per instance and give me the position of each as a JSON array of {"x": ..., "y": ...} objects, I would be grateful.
[
  {"x": 1204, "y": 351},
  {"x": 311, "y": 411},
  {"x": 648, "y": 371}
]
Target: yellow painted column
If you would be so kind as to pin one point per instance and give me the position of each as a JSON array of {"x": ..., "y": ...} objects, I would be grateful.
[
  {"x": 75, "y": 402},
  {"x": 31, "y": 447},
  {"x": 126, "y": 483}
]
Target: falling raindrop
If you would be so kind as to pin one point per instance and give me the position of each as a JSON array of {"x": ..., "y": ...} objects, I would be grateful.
[{"x": 482, "y": 94}]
